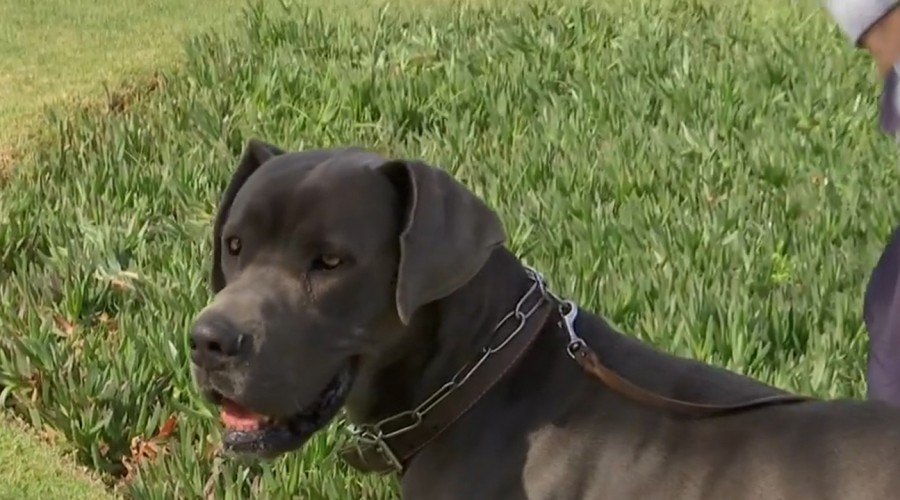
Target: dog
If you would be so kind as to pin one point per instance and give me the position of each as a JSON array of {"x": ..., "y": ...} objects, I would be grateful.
[{"x": 344, "y": 279}]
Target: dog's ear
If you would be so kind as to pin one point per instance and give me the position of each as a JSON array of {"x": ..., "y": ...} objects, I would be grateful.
[
  {"x": 255, "y": 153},
  {"x": 446, "y": 236}
]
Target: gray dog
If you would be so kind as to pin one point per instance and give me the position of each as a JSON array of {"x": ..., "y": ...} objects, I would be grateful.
[{"x": 344, "y": 279}]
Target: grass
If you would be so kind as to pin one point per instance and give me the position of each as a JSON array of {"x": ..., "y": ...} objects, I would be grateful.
[
  {"x": 707, "y": 176},
  {"x": 63, "y": 52},
  {"x": 34, "y": 470}
]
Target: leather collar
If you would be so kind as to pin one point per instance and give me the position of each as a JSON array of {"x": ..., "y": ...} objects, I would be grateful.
[{"x": 389, "y": 445}]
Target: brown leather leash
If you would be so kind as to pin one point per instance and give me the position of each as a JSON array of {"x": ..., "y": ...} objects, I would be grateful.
[
  {"x": 389, "y": 445},
  {"x": 590, "y": 363}
]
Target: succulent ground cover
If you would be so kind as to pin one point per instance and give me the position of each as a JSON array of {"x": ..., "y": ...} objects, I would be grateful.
[{"x": 705, "y": 174}]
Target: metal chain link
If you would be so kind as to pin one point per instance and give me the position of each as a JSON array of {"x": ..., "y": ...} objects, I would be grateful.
[{"x": 375, "y": 434}]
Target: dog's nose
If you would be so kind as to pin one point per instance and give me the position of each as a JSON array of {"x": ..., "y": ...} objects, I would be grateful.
[{"x": 214, "y": 341}]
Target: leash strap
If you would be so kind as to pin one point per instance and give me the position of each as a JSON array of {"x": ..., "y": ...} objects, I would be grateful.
[{"x": 590, "y": 363}]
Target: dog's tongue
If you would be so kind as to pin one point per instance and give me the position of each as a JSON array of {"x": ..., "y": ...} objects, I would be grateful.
[{"x": 240, "y": 419}]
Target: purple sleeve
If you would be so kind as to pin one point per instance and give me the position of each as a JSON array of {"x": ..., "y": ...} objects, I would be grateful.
[
  {"x": 882, "y": 298},
  {"x": 881, "y": 305},
  {"x": 881, "y": 312},
  {"x": 889, "y": 107}
]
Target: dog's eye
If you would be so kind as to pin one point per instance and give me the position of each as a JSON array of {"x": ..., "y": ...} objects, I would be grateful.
[
  {"x": 234, "y": 245},
  {"x": 327, "y": 262}
]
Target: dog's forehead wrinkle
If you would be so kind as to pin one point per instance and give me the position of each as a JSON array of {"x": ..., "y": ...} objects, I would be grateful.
[
  {"x": 355, "y": 157},
  {"x": 292, "y": 169},
  {"x": 338, "y": 185},
  {"x": 267, "y": 190},
  {"x": 344, "y": 207},
  {"x": 340, "y": 174}
]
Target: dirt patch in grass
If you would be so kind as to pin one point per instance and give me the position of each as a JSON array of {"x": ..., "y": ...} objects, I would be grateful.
[{"x": 7, "y": 158}]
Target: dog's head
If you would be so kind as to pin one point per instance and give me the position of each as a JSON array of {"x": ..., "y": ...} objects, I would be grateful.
[{"x": 320, "y": 260}]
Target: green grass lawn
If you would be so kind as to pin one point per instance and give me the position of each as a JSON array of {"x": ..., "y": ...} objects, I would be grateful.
[
  {"x": 707, "y": 176},
  {"x": 64, "y": 52},
  {"x": 33, "y": 470}
]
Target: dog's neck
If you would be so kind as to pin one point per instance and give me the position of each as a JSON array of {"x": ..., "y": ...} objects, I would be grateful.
[{"x": 441, "y": 338}]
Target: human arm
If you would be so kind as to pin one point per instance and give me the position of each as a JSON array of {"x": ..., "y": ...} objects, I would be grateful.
[{"x": 872, "y": 24}]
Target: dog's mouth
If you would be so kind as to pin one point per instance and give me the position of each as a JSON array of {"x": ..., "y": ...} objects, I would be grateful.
[{"x": 250, "y": 433}]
